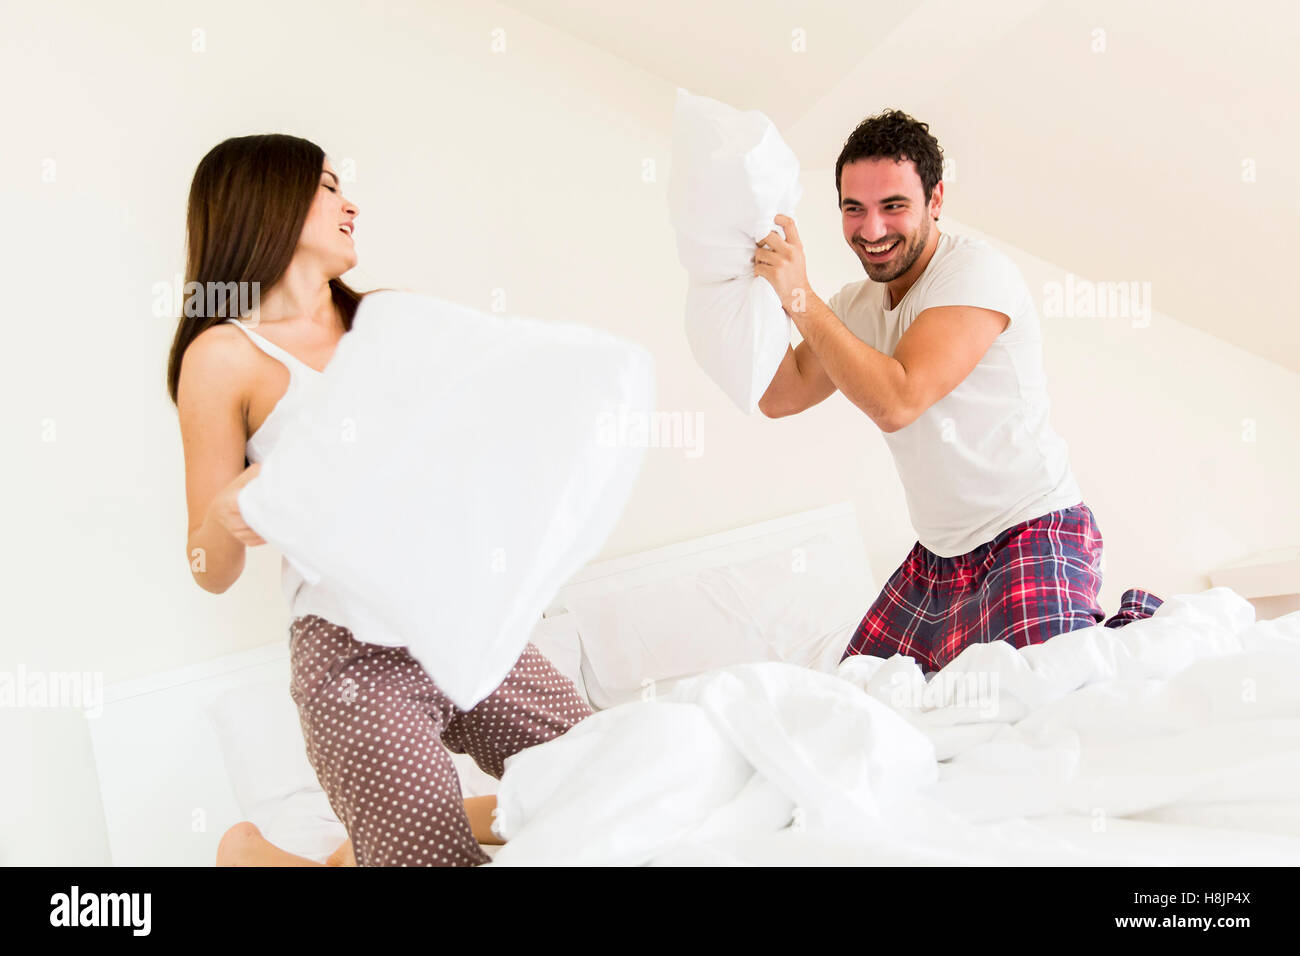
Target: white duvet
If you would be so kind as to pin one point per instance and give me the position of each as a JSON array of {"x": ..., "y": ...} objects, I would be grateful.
[{"x": 1173, "y": 740}]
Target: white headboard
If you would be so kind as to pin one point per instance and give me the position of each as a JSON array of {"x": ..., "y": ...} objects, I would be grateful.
[{"x": 839, "y": 521}]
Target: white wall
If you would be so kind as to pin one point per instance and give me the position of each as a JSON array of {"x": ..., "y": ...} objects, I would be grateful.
[{"x": 521, "y": 170}]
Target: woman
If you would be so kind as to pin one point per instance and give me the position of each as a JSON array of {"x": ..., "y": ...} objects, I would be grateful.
[{"x": 269, "y": 233}]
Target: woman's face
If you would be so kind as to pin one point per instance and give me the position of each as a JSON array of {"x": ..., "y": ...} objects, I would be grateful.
[{"x": 327, "y": 233}]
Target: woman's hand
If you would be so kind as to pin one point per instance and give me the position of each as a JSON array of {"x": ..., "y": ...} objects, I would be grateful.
[{"x": 225, "y": 508}]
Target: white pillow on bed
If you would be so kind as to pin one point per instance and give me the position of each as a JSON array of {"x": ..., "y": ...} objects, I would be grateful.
[
  {"x": 449, "y": 471},
  {"x": 731, "y": 174},
  {"x": 266, "y": 760},
  {"x": 799, "y": 604},
  {"x": 557, "y": 638}
]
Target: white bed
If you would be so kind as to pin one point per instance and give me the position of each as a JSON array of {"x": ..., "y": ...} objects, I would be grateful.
[
  {"x": 1171, "y": 741},
  {"x": 1174, "y": 740},
  {"x": 183, "y": 755}
]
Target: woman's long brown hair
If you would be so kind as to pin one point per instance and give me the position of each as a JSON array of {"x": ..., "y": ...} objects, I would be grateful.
[{"x": 248, "y": 203}]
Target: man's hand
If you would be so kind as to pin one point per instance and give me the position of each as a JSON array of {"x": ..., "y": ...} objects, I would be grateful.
[{"x": 781, "y": 263}]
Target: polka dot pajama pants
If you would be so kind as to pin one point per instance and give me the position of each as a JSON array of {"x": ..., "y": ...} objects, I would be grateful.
[{"x": 379, "y": 732}]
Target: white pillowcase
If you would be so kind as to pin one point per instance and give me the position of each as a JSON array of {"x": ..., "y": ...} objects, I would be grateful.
[
  {"x": 266, "y": 761},
  {"x": 799, "y": 605},
  {"x": 448, "y": 472},
  {"x": 557, "y": 639},
  {"x": 261, "y": 741},
  {"x": 731, "y": 175}
]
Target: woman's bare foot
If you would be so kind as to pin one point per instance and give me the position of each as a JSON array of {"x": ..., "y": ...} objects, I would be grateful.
[
  {"x": 343, "y": 856},
  {"x": 479, "y": 810},
  {"x": 244, "y": 845}
]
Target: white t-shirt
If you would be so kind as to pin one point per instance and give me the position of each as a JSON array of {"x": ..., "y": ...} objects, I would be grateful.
[{"x": 984, "y": 457}]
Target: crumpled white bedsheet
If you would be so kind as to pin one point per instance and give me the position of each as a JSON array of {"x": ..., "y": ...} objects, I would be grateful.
[{"x": 1172, "y": 740}]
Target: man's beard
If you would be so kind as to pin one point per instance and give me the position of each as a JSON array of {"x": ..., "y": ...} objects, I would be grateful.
[{"x": 910, "y": 253}]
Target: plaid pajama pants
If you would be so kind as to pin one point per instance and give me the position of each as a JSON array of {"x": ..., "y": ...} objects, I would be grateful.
[
  {"x": 379, "y": 731},
  {"x": 1033, "y": 581}
]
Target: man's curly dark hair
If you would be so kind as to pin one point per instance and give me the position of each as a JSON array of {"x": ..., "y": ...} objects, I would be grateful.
[{"x": 894, "y": 135}]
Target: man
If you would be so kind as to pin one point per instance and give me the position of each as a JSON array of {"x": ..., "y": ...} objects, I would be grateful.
[{"x": 941, "y": 347}]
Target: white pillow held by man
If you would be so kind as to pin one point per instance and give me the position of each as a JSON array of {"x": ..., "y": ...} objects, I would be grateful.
[{"x": 732, "y": 174}]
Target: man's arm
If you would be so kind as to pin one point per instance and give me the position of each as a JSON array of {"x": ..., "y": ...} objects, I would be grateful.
[
  {"x": 799, "y": 384},
  {"x": 938, "y": 350}
]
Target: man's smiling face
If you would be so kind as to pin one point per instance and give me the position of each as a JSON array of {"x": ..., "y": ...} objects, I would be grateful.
[{"x": 883, "y": 207}]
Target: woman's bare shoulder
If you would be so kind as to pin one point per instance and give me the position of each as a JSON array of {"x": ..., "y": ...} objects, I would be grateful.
[{"x": 215, "y": 360}]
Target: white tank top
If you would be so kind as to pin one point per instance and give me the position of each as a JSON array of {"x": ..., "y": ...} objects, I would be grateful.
[
  {"x": 301, "y": 378},
  {"x": 302, "y": 598}
]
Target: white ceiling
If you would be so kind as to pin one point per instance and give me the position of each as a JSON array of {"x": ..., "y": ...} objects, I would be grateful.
[{"x": 1123, "y": 165}]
